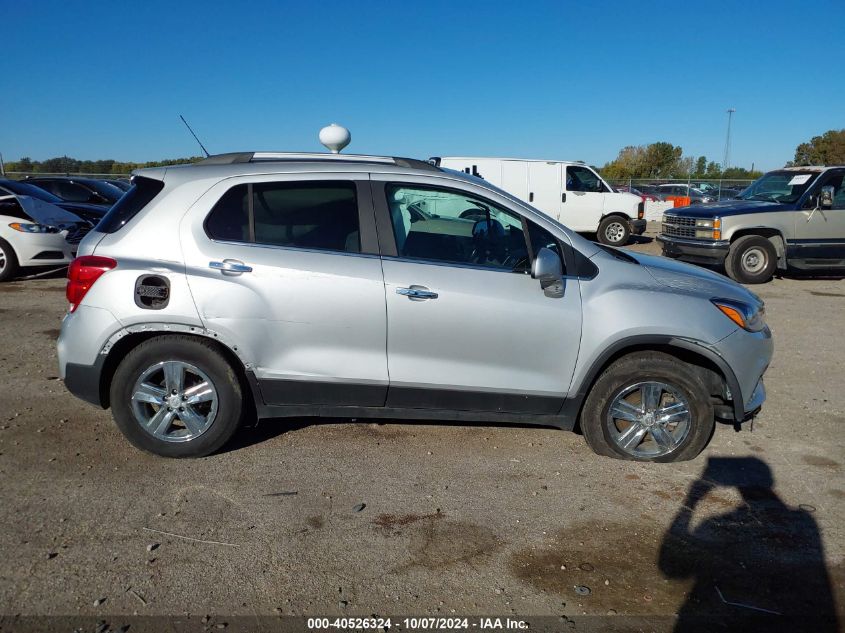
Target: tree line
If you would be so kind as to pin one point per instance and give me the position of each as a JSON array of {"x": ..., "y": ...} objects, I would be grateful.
[
  {"x": 663, "y": 160},
  {"x": 67, "y": 165},
  {"x": 657, "y": 160}
]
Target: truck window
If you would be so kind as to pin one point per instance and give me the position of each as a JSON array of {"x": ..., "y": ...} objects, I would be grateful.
[{"x": 582, "y": 179}]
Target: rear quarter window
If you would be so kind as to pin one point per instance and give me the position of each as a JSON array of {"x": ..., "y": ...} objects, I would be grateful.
[{"x": 141, "y": 193}]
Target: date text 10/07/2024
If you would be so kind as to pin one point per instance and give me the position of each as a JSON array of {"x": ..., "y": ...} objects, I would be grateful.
[{"x": 416, "y": 624}]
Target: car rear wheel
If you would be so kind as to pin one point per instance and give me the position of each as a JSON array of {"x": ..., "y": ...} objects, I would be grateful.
[
  {"x": 8, "y": 261},
  {"x": 614, "y": 231},
  {"x": 751, "y": 260},
  {"x": 176, "y": 396},
  {"x": 649, "y": 407}
]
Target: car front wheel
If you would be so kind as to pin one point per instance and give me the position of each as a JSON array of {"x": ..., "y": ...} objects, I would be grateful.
[
  {"x": 751, "y": 260},
  {"x": 614, "y": 231},
  {"x": 176, "y": 396},
  {"x": 648, "y": 406}
]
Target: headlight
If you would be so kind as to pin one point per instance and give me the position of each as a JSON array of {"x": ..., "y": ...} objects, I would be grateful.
[
  {"x": 708, "y": 228},
  {"x": 748, "y": 317},
  {"x": 24, "y": 227}
]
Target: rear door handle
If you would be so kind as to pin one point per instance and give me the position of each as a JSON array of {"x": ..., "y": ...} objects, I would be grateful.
[
  {"x": 417, "y": 293},
  {"x": 230, "y": 267}
]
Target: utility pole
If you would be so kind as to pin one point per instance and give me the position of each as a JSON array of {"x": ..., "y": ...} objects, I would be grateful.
[
  {"x": 2, "y": 167},
  {"x": 726, "y": 161}
]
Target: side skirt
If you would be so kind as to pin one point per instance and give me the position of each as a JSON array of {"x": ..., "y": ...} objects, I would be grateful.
[{"x": 264, "y": 411}]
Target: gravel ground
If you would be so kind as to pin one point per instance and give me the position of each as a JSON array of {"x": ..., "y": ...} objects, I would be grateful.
[{"x": 456, "y": 519}]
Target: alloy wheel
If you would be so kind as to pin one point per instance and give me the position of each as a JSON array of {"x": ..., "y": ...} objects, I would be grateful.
[
  {"x": 648, "y": 419},
  {"x": 174, "y": 401}
]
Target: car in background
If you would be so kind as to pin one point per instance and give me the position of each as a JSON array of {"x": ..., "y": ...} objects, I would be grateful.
[
  {"x": 124, "y": 184},
  {"x": 72, "y": 189},
  {"x": 651, "y": 190},
  {"x": 36, "y": 233},
  {"x": 696, "y": 196},
  {"x": 728, "y": 193},
  {"x": 92, "y": 213},
  {"x": 645, "y": 196}
]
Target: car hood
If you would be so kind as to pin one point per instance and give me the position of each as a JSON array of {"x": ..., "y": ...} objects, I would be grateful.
[
  {"x": 730, "y": 207},
  {"x": 47, "y": 213},
  {"x": 690, "y": 279}
]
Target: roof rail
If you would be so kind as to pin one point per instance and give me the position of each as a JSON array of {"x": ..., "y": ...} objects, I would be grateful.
[{"x": 257, "y": 157}]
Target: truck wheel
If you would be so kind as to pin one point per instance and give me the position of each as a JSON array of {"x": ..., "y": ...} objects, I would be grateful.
[
  {"x": 751, "y": 260},
  {"x": 8, "y": 261},
  {"x": 648, "y": 407},
  {"x": 614, "y": 230},
  {"x": 176, "y": 396}
]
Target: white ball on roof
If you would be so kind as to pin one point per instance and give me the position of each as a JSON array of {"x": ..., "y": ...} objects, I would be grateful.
[{"x": 335, "y": 137}]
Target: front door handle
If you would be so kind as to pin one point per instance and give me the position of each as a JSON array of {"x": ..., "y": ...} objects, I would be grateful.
[
  {"x": 417, "y": 293},
  {"x": 230, "y": 267}
]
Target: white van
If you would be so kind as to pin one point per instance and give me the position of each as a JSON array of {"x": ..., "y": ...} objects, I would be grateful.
[{"x": 568, "y": 191}]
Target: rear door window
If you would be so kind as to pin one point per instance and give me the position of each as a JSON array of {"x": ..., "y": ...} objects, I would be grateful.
[{"x": 314, "y": 215}]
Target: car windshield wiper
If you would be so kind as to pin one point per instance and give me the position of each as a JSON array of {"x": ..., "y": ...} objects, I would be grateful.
[{"x": 762, "y": 196}]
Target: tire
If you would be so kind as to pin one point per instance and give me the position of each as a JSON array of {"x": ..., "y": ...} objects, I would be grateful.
[
  {"x": 614, "y": 230},
  {"x": 691, "y": 432},
  {"x": 8, "y": 261},
  {"x": 751, "y": 260},
  {"x": 202, "y": 427}
]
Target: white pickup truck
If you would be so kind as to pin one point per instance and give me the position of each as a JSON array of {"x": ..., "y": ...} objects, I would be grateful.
[{"x": 570, "y": 192}]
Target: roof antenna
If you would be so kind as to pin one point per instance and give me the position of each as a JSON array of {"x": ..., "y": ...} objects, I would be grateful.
[
  {"x": 195, "y": 136},
  {"x": 335, "y": 137}
]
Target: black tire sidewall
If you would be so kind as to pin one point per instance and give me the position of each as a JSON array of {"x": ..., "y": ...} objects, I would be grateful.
[
  {"x": 642, "y": 367},
  {"x": 612, "y": 219},
  {"x": 734, "y": 266},
  {"x": 11, "y": 268},
  {"x": 199, "y": 354}
]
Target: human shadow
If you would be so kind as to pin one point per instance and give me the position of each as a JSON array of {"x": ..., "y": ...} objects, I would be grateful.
[{"x": 760, "y": 566}]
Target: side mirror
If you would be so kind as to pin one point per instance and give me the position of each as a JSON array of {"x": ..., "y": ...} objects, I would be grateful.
[
  {"x": 547, "y": 268},
  {"x": 826, "y": 196}
]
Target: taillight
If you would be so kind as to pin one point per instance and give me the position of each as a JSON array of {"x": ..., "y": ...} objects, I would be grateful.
[{"x": 82, "y": 274}]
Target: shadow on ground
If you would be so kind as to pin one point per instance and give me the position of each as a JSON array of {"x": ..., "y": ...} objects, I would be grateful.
[{"x": 760, "y": 564}]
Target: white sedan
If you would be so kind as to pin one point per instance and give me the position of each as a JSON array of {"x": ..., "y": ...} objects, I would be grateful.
[{"x": 36, "y": 233}]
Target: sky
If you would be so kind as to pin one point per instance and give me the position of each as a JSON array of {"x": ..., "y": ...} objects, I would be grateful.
[{"x": 532, "y": 79}]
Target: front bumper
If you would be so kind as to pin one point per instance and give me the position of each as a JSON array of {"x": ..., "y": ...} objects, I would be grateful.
[
  {"x": 638, "y": 227},
  {"x": 748, "y": 355},
  {"x": 696, "y": 251},
  {"x": 44, "y": 249}
]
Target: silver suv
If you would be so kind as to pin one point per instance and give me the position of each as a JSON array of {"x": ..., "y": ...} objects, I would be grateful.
[{"x": 287, "y": 285}]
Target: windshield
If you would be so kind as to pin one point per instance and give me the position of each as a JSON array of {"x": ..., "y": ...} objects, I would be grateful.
[
  {"x": 25, "y": 189},
  {"x": 779, "y": 186}
]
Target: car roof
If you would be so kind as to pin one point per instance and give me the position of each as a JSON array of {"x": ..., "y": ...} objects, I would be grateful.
[
  {"x": 521, "y": 160},
  {"x": 817, "y": 168},
  {"x": 248, "y": 163},
  {"x": 82, "y": 179}
]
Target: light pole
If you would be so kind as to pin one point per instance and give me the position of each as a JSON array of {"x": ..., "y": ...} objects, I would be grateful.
[{"x": 725, "y": 162}]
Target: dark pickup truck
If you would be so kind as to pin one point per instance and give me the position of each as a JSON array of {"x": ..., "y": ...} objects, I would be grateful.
[{"x": 791, "y": 218}]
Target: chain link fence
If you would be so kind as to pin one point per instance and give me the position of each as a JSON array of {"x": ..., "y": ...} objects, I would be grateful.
[{"x": 712, "y": 188}]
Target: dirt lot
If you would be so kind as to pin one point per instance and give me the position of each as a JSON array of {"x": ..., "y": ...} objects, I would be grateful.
[{"x": 458, "y": 520}]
